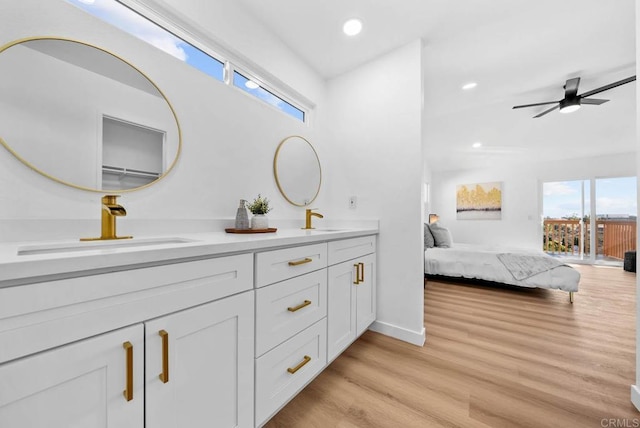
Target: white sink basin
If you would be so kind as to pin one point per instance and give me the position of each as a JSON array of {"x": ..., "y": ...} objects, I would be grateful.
[{"x": 72, "y": 247}]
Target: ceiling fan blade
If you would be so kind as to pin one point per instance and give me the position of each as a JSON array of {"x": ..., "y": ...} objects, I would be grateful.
[
  {"x": 546, "y": 111},
  {"x": 571, "y": 87},
  {"x": 594, "y": 101},
  {"x": 609, "y": 86},
  {"x": 537, "y": 104}
]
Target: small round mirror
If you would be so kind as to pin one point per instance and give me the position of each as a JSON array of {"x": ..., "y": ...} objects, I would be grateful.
[
  {"x": 297, "y": 170},
  {"x": 83, "y": 116}
]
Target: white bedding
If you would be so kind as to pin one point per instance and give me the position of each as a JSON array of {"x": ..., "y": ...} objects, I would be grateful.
[{"x": 483, "y": 262}]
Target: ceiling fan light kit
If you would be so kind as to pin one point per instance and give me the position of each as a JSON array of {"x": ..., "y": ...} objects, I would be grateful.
[
  {"x": 572, "y": 101},
  {"x": 569, "y": 105}
]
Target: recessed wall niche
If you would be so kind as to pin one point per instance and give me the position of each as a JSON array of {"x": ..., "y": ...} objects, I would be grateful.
[{"x": 132, "y": 154}]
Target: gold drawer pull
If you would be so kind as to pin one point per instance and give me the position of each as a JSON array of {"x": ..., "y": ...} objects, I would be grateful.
[
  {"x": 292, "y": 370},
  {"x": 164, "y": 376},
  {"x": 361, "y": 278},
  {"x": 128, "y": 392},
  {"x": 300, "y": 262},
  {"x": 300, "y": 306}
]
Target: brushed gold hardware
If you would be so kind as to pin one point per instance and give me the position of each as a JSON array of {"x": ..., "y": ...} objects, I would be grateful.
[
  {"x": 361, "y": 277},
  {"x": 164, "y": 376},
  {"x": 357, "y": 266},
  {"x": 110, "y": 210},
  {"x": 128, "y": 392},
  {"x": 306, "y": 359},
  {"x": 570, "y": 296},
  {"x": 308, "y": 214},
  {"x": 300, "y": 262},
  {"x": 300, "y": 306}
]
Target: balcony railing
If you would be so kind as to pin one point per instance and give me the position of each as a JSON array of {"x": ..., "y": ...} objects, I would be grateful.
[{"x": 568, "y": 237}]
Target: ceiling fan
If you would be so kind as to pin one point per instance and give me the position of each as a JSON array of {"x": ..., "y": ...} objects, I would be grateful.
[{"x": 572, "y": 101}]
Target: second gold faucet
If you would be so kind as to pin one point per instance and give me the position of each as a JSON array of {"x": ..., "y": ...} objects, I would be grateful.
[{"x": 309, "y": 213}]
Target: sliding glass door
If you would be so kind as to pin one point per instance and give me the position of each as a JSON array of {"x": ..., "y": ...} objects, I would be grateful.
[
  {"x": 616, "y": 205},
  {"x": 567, "y": 212},
  {"x": 571, "y": 231}
]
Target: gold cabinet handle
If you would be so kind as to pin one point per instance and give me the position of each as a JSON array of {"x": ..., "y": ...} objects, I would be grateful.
[
  {"x": 357, "y": 266},
  {"x": 128, "y": 350},
  {"x": 164, "y": 376},
  {"x": 300, "y": 306},
  {"x": 300, "y": 262},
  {"x": 306, "y": 359},
  {"x": 361, "y": 278}
]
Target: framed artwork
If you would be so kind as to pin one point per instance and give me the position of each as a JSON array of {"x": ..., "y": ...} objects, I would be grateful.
[{"x": 479, "y": 201}]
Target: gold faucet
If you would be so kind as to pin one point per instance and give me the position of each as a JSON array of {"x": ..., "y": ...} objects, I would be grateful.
[
  {"x": 309, "y": 214},
  {"x": 110, "y": 210}
]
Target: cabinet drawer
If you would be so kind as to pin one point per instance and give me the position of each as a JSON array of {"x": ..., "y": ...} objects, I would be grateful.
[
  {"x": 275, "y": 384},
  {"x": 347, "y": 249},
  {"x": 286, "y": 308},
  {"x": 278, "y": 265}
]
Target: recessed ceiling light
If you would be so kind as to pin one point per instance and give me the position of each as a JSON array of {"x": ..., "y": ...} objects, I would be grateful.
[
  {"x": 352, "y": 27},
  {"x": 476, "y": 145},
  {"x": 251, "y": 84},
  {"x": 469, "y": 85}
]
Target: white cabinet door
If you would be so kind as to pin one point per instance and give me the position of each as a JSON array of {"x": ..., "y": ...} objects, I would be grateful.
[
  {"x": 341, "y": 308},
  {"x": 207, "y": 363},
  {"x": 366, "y": 294},
  {"x": 351, "y": 305},
  {"x": 79, "y": 385}
]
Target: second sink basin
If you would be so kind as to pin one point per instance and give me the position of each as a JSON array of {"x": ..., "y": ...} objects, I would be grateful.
[{"x": 71, "y": 247}]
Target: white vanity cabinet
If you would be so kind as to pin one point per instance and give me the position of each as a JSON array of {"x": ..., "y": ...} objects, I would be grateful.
[
  {"x": 96, "y": 382},
  {"x": 203, "y": 337},
  {"x": 351, "y": 291}
]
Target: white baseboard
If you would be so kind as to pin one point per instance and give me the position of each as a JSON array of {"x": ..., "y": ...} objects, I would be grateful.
[
  {"x": 635, "y": 396},
  {"x": 413, "y": 337}
]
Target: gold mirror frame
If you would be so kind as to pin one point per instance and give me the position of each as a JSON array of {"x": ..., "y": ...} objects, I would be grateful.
[
  {"x": 278, "y": 182},
  {"x": 66, "y": 183}
]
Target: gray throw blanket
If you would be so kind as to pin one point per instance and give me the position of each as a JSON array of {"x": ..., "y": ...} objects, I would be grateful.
[{"x": 523, "y": 266}]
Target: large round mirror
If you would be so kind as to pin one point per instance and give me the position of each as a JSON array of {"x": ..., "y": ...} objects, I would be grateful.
[
  {"x": 83, "y": 116},
  {"x": 297, "y": 170}
]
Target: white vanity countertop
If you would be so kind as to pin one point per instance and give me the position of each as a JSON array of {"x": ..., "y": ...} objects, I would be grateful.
[{"x": 18, "y": 269}]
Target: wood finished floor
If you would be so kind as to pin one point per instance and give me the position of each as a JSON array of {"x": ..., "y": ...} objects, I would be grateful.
[{"x": 494, "y": 357}]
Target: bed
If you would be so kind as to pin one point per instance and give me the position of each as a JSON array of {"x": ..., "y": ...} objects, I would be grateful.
[{"x": 491, "y": 263}]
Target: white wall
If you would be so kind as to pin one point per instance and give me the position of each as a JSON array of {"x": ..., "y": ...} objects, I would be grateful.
[
  {"x": 373, "y": 123},
  {"x": 521, "y": 223},
  {"x": 229, "y": 137}
]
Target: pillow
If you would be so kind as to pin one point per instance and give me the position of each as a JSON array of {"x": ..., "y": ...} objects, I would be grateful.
[
  {"x": 429, "y": 242},
  {"x": 441, "y": 236}
]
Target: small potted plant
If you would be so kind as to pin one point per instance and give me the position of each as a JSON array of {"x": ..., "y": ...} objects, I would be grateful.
[{"x": 259, "y": 207}]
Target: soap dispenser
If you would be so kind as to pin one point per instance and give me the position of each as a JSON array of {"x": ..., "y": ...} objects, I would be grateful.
[{"x": 242, "y": 216}]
